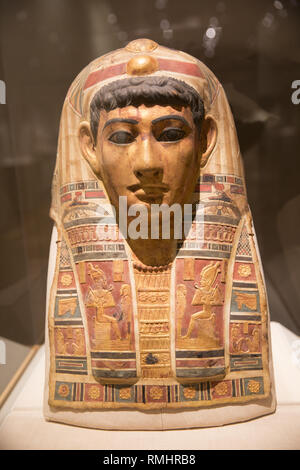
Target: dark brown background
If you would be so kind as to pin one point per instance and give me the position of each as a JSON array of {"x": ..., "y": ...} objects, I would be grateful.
[{"x": 44, "y": 45}]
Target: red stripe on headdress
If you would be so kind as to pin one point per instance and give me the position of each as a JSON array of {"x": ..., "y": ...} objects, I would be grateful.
[
  {"x": 186, "y": 68},
  {"x": 104, "y": 74}
]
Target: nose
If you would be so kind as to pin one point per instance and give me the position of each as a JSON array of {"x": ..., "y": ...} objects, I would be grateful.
[
  {"x": 149, "y": 173},
  {"x": 147, "y": 162}
]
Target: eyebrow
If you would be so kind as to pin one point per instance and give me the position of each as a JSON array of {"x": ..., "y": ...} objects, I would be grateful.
[
  {"x": 171, "y": 116},
  {"x": 128, "y": 121}
]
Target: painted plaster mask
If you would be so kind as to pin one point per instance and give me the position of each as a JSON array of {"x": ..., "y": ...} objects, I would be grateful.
[{"x": 144, "y": 322}]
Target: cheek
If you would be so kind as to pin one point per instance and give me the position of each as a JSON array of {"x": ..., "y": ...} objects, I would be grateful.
[
  {"x": 182, "y": 159},
  {"x": 113, "y": 162}
]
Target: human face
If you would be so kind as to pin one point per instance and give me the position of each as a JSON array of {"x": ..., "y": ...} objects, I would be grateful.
[{"x": 148, "y": 154}]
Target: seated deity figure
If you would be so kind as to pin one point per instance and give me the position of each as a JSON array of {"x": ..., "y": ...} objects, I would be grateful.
[{"x": 153, "y": 255}]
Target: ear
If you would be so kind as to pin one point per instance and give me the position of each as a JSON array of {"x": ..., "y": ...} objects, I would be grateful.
[
  {"x": 87, "y": 146},
  {"x": 208, "y": 139}
]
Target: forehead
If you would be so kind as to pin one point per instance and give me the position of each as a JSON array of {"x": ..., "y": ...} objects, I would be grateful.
[{"x": 146, "y": 114}]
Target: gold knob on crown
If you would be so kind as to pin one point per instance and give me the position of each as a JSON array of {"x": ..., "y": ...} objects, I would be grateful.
[{"x": 142, "y": 65}]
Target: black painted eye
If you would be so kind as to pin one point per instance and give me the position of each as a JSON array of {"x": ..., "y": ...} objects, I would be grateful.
[
  {"x": 171, "y": 134},
  {"x": 121, "y": 138}
]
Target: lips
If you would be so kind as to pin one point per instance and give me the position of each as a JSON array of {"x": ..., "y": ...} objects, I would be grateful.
[
  {"x": 151, "y": 188},
  {"x": 149, "y": 192}
]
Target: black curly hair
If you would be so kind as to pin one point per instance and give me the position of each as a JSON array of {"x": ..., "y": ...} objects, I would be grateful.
[{"x": 145, "y": 90}]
